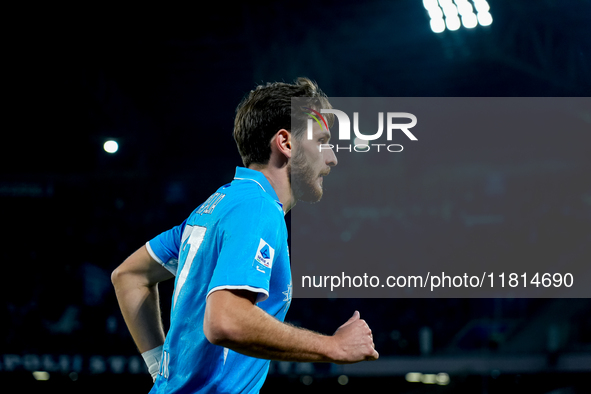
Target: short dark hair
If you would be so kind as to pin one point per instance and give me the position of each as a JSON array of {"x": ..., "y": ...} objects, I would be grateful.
[{"x": 268, "y": 109}]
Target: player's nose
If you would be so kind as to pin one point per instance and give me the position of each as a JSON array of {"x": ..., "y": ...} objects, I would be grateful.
[{"x": 330, "y": 157}]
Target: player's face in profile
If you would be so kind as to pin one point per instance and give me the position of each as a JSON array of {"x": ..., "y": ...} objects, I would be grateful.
[{"x": 310, "y": 164}]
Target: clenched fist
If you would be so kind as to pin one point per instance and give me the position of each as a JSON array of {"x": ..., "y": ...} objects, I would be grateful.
[{"x": 353, "y": 342}]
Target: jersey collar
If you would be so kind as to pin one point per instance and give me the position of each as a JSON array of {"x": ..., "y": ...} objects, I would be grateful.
[{"x": 259, "y": 178}]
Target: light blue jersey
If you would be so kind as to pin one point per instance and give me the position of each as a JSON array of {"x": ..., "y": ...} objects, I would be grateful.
[{"x": 237, "y": 239}]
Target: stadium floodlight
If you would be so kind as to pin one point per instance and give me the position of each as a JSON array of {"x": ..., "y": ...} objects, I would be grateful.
[
  {"x": 469, "y": 20},
  {"x": 449, "y": 8},
  {"x": 464, "y": 8},
  {"x": 452, "y": 14},
  {"x": 429, "y": 378},
  {"x": 453, "y": 23},
  {"x": 442, "y": 379},
  {"x": 111, "y": 146},
  {"x": 484, "y": 18},
  {"x": 41, "y": 375},
  {"x": 481, "y": 5},
  {"x": 435, "y": 13},
  {"x": 430, "y": 4},
  {"x": 437, "y": 25},
  {"x": 413, "y": 377}
]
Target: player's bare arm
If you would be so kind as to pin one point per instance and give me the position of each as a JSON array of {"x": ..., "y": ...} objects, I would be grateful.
[
  {"x": 233, "y": 320},
  {"x": 136, "y": 286}
]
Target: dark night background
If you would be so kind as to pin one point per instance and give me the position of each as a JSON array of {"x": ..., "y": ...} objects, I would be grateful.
[{"x": 164, "y": 83}]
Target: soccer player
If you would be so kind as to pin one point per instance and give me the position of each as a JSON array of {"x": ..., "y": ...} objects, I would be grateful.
[{"x": 231, "y": 265}]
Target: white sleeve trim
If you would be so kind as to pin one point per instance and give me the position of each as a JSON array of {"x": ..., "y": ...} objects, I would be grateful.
[
  {"x": 151, "y": 252},
  {"x": 171, "y": 265},
  {"x": 262, "y": 294}
]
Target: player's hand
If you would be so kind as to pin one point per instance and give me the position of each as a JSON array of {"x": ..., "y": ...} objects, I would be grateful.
[{"x": 354, "y": 342}]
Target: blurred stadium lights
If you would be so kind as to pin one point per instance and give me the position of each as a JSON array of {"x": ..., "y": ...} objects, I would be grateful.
[
  {"x": 413, "y": 377},
  {"x": 457, "y": 13},
  {"x": 111, "y": 146},
  {"x": 428, "y": 378},
  {"x": 441, "y": 378},
  {"x": 41, "y": 375}
]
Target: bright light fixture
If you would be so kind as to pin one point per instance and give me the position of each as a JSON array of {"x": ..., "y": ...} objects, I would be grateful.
[
  {"x": 457, "y": 13},
  {"x": 111, "y": 146}
]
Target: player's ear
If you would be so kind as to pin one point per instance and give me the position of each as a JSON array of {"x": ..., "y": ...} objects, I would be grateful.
[{"x": 283, "y": 142}]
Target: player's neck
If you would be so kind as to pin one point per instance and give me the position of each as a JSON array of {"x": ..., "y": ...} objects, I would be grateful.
[{"x": 279, "y": 179}]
